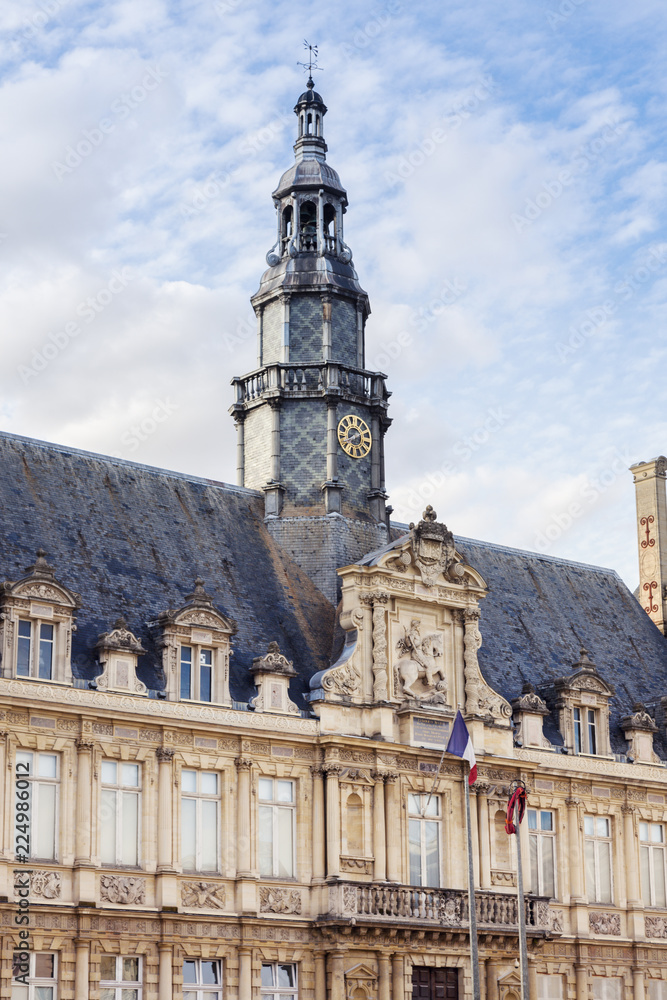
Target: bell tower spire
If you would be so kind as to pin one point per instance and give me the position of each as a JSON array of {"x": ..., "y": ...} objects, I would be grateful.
[{"x": 311, "y": 418}]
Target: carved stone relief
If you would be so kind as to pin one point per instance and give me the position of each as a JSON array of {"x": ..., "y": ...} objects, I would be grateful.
[
  {"x": 433, "y": 550},
  {"x": 274, "y": 900},
  {"x": 605, "y": 923},
  {"x": 480, "y": 698},
  {"x": 420, "y": 667},
  {"x": 656, "y": 927},
  {"x": 47, "y": 884},
  {"x": 116, "y": 889},
  {"x": 344, "y": 680},
  {"x": 210, "y": 894}
]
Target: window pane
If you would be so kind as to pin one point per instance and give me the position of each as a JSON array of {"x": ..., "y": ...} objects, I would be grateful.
[
  {"x": 546, "y": 819},
  {"x": 108, "y": 968},
  {"x": 107, "y": 994},
  {"x": 209, "y": 835},
  {"x": 47, "y": 765},
  {"x": 414, "y": 806},
  {"x": 108, "y": 827},
  {"x": 603, "y": 827},
  {"x": 534, "y": 873},
  {"x": 23, "y": 757},
  {"x": 43, "y": 966},
  {"x": 589, "y": 825},
  {"x": 414, "y": 836},
  {"x": 286, "y": 975},
  {"x": 646, "y": 875},
  {"x": 44, "y": 837},
  {"x": 656, "y": 833},
  {"x": 189, "y": 781},
  {"x": 108, "y": 772},
  {"x": 45, "y": 651},
  {"x": 130, "y": 820},
  {"x": 130, "y": 970},
  {"x": 267, "y": 975},
  {"x": 131, "y": 775},
  {"x": 43, "y": 992},
  {"x": 548, "y": 880},
  {"x": 205, "y": 683},
  {"x": 129, "y": 995},
  {"x": 190, "y": 972},
  {"x": 23, "y": 650},
  {"x": 285, "y": 846},
  {"x": 433, "y": 807},
  {"x": 604, "y": 873},
  {"x": 266, "y": 789},
  {"x": 432, "y": 849},
  {"x": 589, "y": 856},
  {"x": 658, "y": 876},
  {"x": 285, "y": 791},
  {"x": 188, "y": 813},
  {"x": 19, "y": 992},
  {"x": 266, "y": 840},
  {"x": 209, "y": 783},
  {"x": 643, "y": 831},
  {"x": 186, "y": 680},
  {"x": 209, "y": 973},
  {"x": 532, "y": 819}
]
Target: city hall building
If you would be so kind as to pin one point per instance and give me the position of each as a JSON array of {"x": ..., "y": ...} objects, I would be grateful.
[{"x": 223, "y": 707}]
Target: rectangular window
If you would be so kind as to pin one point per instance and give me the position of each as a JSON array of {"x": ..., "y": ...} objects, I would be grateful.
[
  {"x": 585, "y": 730},
  {"x": 592, "y": 739},
  {"x": 30, "y": 662},
  {"x": 607, "y": 989},
  {"x": 652, "y": 858},
  {"x": 198, "y": 978},
  {"x": 200, "y": 808},
  {"x": 42, "y": 981},
  {"x": 597, "y": 855},
  {"x": 542, "y": 842},
  {"x": 657, "y": 989},
  {"x": 41, "y": 772},
  {"x": 196, "y": 684},
  {"x": 276, "y": 827},
  {"x": 120, "y": 978},
  {"x": 279, "y": 982},
  {"x": 120, "y": 813},
  {"x": 549, "y": 987},
  {"x": 424, "y": 839}
]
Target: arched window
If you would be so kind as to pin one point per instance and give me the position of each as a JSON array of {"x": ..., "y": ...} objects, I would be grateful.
[
  {"x": 310, "y": 124},
  {"x": 301, "y": 124},
  {"x": 317, "y": 124},
  {"x": 287, "y": 222},
  {"x": 308, "y": 225},
  {"x": 354, "y": 825},
  {"x": 330, "y": 228}
]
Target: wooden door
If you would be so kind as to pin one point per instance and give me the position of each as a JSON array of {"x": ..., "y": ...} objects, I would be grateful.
[{"x": 435, "y": 984}]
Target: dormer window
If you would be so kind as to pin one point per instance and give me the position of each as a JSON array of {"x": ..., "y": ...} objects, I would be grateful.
[
  {"x": 196, "y": 673},
  {"x": 36, "y": 625},
  {"x": 585, "y": 737},
  {"x": 582, "y": 704}
]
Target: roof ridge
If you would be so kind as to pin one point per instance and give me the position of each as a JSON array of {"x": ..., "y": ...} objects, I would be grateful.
[
  {"x": 539, "y": 555},
  {"x": 126, "y": 463}
]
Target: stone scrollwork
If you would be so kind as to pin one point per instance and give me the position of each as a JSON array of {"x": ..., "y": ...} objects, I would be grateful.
[
  {"x": 344, "y": 680},
  {"x": 378, "y": 602},
  {"x": 209, "y": 894},
  {"x": 420, "y": 668},
  {"x": 116, "y": 889},
  {"x": 274, "y": 900},
  {"x": 480, "y": 698},
  {"x": 605, "y": 923},
  {"x": 433, "y": 549}
]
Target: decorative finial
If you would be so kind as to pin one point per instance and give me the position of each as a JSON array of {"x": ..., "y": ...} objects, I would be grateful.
[{"x": 312, "y": 62}]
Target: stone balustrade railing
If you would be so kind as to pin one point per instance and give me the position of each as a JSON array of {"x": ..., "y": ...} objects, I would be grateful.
[
  {"x": 299, "y": 380},
  {"x": 447, "y": 907}
]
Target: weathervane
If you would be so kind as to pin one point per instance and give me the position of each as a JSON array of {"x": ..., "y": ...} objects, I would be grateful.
[{"x": 312, "y": 58}]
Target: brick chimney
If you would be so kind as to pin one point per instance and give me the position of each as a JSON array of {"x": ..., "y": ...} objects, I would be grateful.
[{"x": 649, "y": 479}]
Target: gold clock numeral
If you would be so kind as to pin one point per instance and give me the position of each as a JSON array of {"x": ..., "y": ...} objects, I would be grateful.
[{"x": 354, "y": 436}]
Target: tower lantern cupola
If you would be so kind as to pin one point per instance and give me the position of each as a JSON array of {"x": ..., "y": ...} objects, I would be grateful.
[{"x": 311, "y": 418}]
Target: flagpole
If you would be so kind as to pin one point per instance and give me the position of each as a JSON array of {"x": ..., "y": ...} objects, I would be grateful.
[
  {"x": 474, "y": 952},
  {"x": 521, "y": 906}
]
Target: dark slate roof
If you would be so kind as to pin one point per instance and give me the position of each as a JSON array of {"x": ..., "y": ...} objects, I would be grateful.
[
  {"x": 131, "y": 540},
  {"x": 541, "y": 610}
]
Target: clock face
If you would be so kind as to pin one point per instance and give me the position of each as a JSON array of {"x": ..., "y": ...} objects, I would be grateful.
[{"x": 354, "y": 436}]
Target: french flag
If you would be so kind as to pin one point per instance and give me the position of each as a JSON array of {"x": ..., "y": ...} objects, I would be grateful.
[{"x": 460, "y": 745}]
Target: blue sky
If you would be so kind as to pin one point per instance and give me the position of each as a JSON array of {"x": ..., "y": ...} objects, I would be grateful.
[{"x": 506, "y": 173}]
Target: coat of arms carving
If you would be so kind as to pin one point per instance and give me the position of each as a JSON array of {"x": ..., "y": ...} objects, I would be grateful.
[{"x": 433, "y": 548}]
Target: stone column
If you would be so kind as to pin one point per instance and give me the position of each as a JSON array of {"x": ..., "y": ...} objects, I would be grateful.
[
  {"x": 165, "y": 973},
  {"x": 492, "y": 980},
  {"x": 320, "y": 976},
  {"x": 384, "y": 976},
  {"x": 632, "y": 881},
  {"x": 239, "y": 420},
  {"x": 379, "y": 832},
  {"x": 81, "y": 970},
  {"x": 392, "y": 826},
  {"x": 398, "y": 977},
  {"x": 245, "y": 973},
  {"x": 574, "y": 850},
  {"x": 637, "y": 984},
  {"x": 164, "y": 810},
  {"x": 532, "y": 977},
  {"x": 484, "y": 836},
  {"x": 83, "y": 801},
  {"x": 243, "y": 859},
  {"x": 581, "y": 973},
  {"x": 337, "y": 975},
  {"x": 333, "y": 819},
  {"x": 319, "y": 837}
]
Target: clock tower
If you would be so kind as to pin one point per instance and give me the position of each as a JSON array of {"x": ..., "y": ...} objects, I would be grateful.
[{"x": 311, "y": 418}]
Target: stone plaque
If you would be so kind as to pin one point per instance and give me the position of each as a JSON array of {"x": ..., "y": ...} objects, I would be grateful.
[{"x": 430, "y": 731}]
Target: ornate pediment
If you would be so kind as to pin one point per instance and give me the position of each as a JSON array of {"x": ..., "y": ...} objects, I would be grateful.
[
  {"x": 118, "y": 652},
  {"x": 584, "y": 678},
  {"x": 529, "y": 702},
  {"x": 198, "y": 611},
  {"x": 40, "y": 584},
  {"x": 639, "y": 719},
  {"x": 120, "y": 638}
]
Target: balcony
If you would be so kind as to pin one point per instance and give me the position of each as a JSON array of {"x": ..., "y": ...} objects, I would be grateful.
[
  {"x": 310, "y": 379},
  {"x": 496, "y": 912}
]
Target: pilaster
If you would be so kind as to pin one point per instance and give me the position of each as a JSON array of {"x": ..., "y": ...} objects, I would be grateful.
[
  {"x": 166, "y": 885},
  {"x": 392, "y": 826},
  {"x": 332, "y": 771},
  {"x": 165, "y": 972}
]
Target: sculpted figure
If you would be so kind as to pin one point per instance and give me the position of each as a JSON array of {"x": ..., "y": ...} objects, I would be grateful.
[{"x": 422, "y": 676}]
